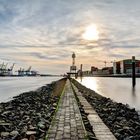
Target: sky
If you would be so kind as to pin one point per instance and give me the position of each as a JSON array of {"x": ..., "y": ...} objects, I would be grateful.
[{"x": 44, "y": 33}]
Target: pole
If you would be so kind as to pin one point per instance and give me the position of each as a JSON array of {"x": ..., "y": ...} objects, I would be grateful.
[
  {"x": 81, "y": 70},
  {"x": 133, "y": 72}
]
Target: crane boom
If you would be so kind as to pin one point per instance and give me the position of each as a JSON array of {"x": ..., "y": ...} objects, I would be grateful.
[{"x": 12, "y": 66}]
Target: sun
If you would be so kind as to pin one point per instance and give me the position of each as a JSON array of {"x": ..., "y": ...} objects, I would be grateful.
[{"x": 91, "y": 33}]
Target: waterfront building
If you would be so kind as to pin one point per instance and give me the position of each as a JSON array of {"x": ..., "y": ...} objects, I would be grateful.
[
  {"x": 125, "y": 66},
  {"x": 103, "y": 71},
  {"x": 94, "y": 69},
  {"x": 107, "y": 70}
]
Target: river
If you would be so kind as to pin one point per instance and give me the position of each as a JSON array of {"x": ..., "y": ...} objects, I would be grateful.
[
  {"x": 12, "y": 86},
  {"x": 118, "y": 89}
]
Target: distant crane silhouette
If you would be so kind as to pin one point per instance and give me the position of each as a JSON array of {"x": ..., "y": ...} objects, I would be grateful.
[{"x": 105, "y": 62}]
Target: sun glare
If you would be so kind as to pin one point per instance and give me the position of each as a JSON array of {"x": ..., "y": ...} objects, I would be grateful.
[{"x": 91, "y": 33}]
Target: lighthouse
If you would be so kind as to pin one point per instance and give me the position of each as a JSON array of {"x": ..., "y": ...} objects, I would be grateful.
[{"x": 73, "y": 67}]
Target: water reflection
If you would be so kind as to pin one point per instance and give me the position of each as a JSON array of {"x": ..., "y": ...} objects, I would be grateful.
[
  {"x": 118, "y": 89},
  {"x": 133, "y": 94},
  {"x": 91, "y": 83},
  {"x": 81, "y": 79}
]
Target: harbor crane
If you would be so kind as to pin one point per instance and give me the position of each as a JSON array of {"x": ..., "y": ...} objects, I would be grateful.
[
  {"x": 105, "y": 62},
  {"x": 21, "y": 72},
  {"x": 3, "y": 70},
  {"x": 10, "y": 70},
  {"x": 28, "y": 71}
]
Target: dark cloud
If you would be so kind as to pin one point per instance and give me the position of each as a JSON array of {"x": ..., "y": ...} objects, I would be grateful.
[
  {"x": 47, "y": 56},
  {"x": 125, "y": 46},
  {"x": 117, "y": 55}
]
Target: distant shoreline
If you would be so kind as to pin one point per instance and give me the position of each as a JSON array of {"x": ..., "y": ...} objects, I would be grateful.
[{"x": 42, "y": 75}]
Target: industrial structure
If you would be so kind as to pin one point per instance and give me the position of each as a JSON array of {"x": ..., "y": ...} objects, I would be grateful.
[
  {"x": 28, "y": 72},
  {"x": 125, "y": 67},
  {"x": 120, "y": 68},
  {"x": 4, "y": 71},
  {"x": 73, "y": 69}
]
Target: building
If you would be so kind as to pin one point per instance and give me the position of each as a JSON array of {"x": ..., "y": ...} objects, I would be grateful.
[
  {"x": 103, "y": 71},
  {"x": 125, "y": 66},
  {"x": 93, "y": 69},
  {"x": 107, "y": 70}
]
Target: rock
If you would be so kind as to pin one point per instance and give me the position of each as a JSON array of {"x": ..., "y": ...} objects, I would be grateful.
[
  {"x": 4, "y": 124},
  {"x": 6, "y": 113},
  {"x": 41, "y": 125},
  {"x": 42, "y": 131},
  {"x": 30, "y": 133},
  {"x": 38, "y": 114},
  {"x": 32, "y": 137},
  {"x": 120, "y": 118},
  {"x": 4, "y": 134},
  {"x": 126, "y": 128},
  {"x": 32, "y": 127},
  {"x": 14, "y": 133},
  {"x": 55, "y": 104},
  {"x": 117, "y": 126}
]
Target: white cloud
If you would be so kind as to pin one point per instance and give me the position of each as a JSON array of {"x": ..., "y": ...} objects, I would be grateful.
[{"x": 44, "y": 33}]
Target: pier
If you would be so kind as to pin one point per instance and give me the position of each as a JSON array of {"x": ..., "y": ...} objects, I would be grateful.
[{"x": 67, "y": 122}]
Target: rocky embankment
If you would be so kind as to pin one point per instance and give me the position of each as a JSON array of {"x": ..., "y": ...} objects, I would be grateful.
[
  {"x": 28, "y": 116},
  {"x": 123, "y": 121}
]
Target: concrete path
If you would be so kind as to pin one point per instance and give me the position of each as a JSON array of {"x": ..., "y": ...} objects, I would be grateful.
[
  {"x": 67, "y": 123},
  {"x": 102, "y": 132}
]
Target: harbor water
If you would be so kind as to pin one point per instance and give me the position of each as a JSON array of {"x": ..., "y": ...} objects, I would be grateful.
[
  {"x": 12, "y": 86},
  {"x": 118, "y": 89}
]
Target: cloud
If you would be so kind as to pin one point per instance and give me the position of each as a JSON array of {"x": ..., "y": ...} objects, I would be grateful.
[
  {"x": 126, "y": 46},
  {"x": 39, "y": 31}
]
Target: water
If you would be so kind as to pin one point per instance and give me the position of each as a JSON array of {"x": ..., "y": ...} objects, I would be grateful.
[
  {"x": 118, "y": 89},
  {"x": 12, "y": 86}
]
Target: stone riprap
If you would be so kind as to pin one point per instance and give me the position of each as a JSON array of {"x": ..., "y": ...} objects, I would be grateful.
[
  {"x": 101, "y": 131},
  {"x": 29, "y": 115},
  {"x": 67, "y": 123},
  {"x": 123, "y": 121}
]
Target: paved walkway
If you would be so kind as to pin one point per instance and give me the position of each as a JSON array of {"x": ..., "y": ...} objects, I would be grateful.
[
  {"x": 67, "y": 124},
  {"x": 102, "y": 132}
]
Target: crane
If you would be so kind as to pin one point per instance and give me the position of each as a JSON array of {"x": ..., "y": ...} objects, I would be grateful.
[
  {"x": 21, "y": 72},
  {"x": 3, "y": 70},
  {"x": 105, "y": 62},
  {"x": 28, "y": 71},
  {"x": 2, "y": 66},
  {"x": 11, "y": 69}
]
